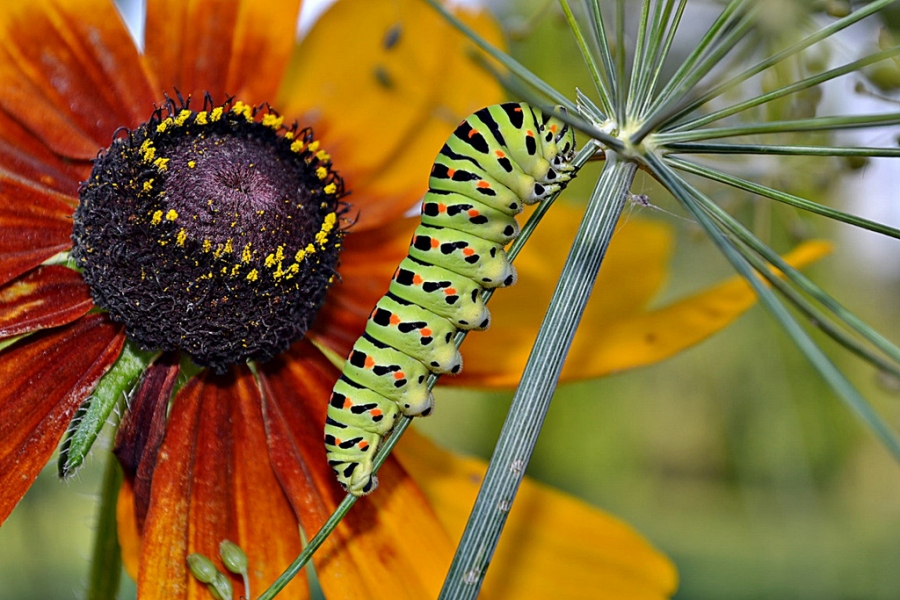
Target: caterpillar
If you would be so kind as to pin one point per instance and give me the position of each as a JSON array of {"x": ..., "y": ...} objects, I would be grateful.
[{"x": 497, "y": 160}]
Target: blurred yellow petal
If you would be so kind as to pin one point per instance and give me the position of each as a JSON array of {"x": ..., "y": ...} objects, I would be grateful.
[
  {"x": 384, "y": 82},
  {"x": 553, "y": 546},
  {"x": 618, "y": 331}
]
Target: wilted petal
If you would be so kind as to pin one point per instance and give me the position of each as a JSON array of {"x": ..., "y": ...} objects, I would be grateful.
[
  {"x": 390, "y": 541},
  {"x": 384, "y": 82},
  {"x": 212, "y": 483},
  {"x": 45, "y": 378},
  {"x": 47, "y": 297},
  {"x": 235, "y": 47},
  {"x": 36, "y": 224},
  {"x": 553, "y": 545},
  {"x": 70, "y": 72}
]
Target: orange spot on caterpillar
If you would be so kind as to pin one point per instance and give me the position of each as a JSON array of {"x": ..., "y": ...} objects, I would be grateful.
[
  {"x": 468, "y": 251},
  {"x": 347, "y": 403},
  {"x": 426, "y": 332},
  {"x": 442, "y": 207},
  {"x": 553, "y": 128},
  {"x": 473, "y": 133},
  {"x": 363, "y": 444},
  {"x": 395, "y": 320},
  {"x": 473, "y": 212},
  {"x": 370, "y": 362},
  {"x": 400, "y": 375},
  {"x": 417, "y": 280},
  {"x": 517, "y": 109},
  {"x": 483, "y": 184},
  {"x": 450, "y": 172},
  {"x": 375, "y": 412},
  {"x": 450, "y": 291},
  {"x": 338, "y": 441},
  {"x": 499, "y": 153},
  {"x": 435, "y": 243}
]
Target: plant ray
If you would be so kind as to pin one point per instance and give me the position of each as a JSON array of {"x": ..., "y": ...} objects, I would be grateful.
[
  {"x": 695, "y": 148},
  {"x": 789, "y": 199},
  {"x": 663, "y": 50},
  {"x": 764, "y": 64},
  {"x": 588, "y": 57},
  {"x": 599, "y": 31},
  {"x": 688, "y": 195}
]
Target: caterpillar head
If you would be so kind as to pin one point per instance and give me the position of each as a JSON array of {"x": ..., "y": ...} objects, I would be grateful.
[{"x": 559, "y": 141}]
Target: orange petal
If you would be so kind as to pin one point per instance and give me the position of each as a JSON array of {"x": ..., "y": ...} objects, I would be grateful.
[
  {"x": 617, "y": 331},
  {"x": 390, "y": 541},
  {"x": 553, "y": 545},
  {"x": 368, "y": 261},
  {"x": 237, "y": 47},
  {"x": 70, "y": 73},
  {"x": 36, "y": 224},
  {"x": 46, "y": 376},
  {"x": 384, "y": 82},
  {"x": 47, "y": 297},
  {"x": 211, "y": 483}
]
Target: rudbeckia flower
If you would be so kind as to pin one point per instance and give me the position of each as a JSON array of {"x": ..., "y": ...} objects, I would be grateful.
[{"x": 153, "y": 157}]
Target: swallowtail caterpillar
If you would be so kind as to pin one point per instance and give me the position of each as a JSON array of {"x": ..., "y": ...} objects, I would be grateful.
[{"x": 497, "y": 160}]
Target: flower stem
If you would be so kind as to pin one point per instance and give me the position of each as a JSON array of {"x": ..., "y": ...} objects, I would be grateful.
[
  {"x": 532, "y": 399},
  {"x": 106, "y": 558}
]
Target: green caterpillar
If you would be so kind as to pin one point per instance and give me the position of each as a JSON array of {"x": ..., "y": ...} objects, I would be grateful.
[{"x": 497, "y": 160}]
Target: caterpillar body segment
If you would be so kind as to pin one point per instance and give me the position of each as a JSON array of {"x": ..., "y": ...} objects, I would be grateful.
[
  {"x": 457, "y": 299},
  {"x": 497, "y": 160}
]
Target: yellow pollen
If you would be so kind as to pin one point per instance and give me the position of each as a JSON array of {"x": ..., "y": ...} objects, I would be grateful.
[
  {"x": 321, "y": 172},
  {"x": 270, "y": 261},
  {"x": 253, "y": 275},
  {"x": 235, "y": 269},
  {"x": 171, "y": 215},
  {"x": 182, "y": 237},
  {"x": 163, "y": 125},
  {"x": 246, "y": 255},
  {"x": 207, "y": 245},
  {"x": 201, "y": 118},
  {"x": 288, "y": 135},
  {"x": 148, "y": 185},
  {"x": 192, "y": 164},
  {"x": 228, "y": 247},
  {"x": 183, "y": 116},
  {"x": 243, "y": 109},
  {"x": 330, "y": 188},
  {"x": 161, "y": 163},
  {"x": 297, "y": 146},
  {"x": 157, "y": 218},
  {"x": 323, "y": 156},
  {"x": 273, "y": 121},
  {"x": 301, "y": 254},
  {"x": 216, "y": 114},
  {"x": 314, "y": 146}
]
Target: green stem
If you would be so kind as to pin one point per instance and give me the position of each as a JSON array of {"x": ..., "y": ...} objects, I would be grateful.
[
  {"x": 532, "y": 399},
  {"x": 698, "y": 148},
  {"x": 106, "y": 557}
]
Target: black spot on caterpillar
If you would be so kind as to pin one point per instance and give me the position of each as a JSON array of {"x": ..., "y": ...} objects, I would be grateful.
[{"x": 497, "y": 160}]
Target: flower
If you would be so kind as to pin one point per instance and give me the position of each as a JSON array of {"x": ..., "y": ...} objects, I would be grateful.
[{"x": 240, "y": 456}]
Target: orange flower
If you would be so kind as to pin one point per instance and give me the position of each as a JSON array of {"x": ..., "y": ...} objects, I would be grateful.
[{"x": 381, "y": 82}]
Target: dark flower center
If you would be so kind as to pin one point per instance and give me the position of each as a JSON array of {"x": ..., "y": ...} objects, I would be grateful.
[{"x": 215, "y": 232}]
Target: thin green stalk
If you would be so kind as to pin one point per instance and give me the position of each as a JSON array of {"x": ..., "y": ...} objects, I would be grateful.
[
  {"x": 621, "y": 76},
  {"x": 503, "y": 58},
  {"x": 662, "y": 54},
  {"x": 599, "y": 30},
  {"x": 789, "y": 199},
  {"x": 106, "y": 556},
  {"x": 799, "y": 279},
  {"x": 391, "y": 440},
  {"x": 735, "y": 80},
  {"x": 532, "y": 399},
  {"x": 589, "y": 60},
  {"x": 696, "y": 148},
  {"x": 638, "y": 70},
  {"x": 828, "y": 123},
  {"x": 686, "y": 194},
  {"x": 788, "y": 89}
]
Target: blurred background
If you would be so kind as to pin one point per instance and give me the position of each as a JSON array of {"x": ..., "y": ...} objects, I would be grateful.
[{"x": 733, "y": 458}]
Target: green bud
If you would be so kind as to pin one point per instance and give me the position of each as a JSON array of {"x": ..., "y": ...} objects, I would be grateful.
[
  {"x": 220, "y": 587},
  {"x": 201, "y": 568},
  {"x": 233, "y": 557}
]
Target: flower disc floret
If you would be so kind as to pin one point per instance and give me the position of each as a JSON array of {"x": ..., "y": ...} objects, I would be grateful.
[{"x": 214, "y": 232}]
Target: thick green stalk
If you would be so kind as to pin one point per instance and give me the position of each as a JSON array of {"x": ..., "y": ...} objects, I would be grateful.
[
  {"x": 106, "y": 557},
  {"x": 532, "y": 399}
]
